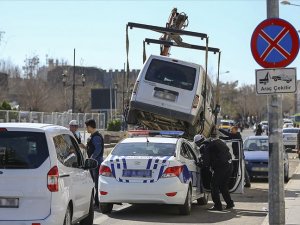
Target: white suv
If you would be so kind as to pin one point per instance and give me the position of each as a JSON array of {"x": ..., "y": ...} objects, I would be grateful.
[{"x": 43, "y": 176}]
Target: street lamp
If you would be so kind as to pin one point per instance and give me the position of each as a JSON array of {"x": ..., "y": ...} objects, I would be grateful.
[
  {"x": 288, "y": 3},
  {"x": 218, "y": 88},
  {"x": 64, "y": 80},
  {"x": 116, "y": 92}
]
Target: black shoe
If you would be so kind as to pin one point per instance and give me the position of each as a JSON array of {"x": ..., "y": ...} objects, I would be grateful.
[
  {"x": 214, "y": 208},
  {"x": 230, "y": 206}
]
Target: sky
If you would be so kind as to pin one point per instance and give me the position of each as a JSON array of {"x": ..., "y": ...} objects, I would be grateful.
[{"x": 96, "y": 29}]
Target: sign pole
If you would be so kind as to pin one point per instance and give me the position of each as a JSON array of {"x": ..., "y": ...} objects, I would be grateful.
[{"x": 276, "y": 182}]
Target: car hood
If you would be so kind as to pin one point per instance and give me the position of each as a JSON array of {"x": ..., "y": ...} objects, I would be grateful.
[{"x": 256, "y": 155}]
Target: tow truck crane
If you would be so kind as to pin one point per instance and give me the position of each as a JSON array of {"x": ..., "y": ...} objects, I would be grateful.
[{"x": 204, "y": 119}]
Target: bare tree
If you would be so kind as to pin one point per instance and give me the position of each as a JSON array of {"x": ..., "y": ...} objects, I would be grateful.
[
  {"x": 32, "y": 94},
  {"x": 240, "y": 102},
  {"x": 6, "y": 66},
  {"x": 31, "y": 66}
]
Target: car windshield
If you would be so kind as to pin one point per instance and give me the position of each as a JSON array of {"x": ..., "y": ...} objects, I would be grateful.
[
  {"x": 22, "y": 150},
  {"x": 171, "y": 74},
  {"x": 290, "y": 131},
  {"x": 144, "y": 149},
  {"x": 297, "y": 118},
  {"x": 256, "y": 144}
]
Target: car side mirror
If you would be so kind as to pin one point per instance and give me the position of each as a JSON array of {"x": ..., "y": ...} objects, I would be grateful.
[{"x": 90, "y": 164}]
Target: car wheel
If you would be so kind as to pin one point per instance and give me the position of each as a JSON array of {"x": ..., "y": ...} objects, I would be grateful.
[
  {"x": 68, "y": 217},
  {"x": 286, "y": 176},
  {"x": 247, "y": 179},
  {"x": 106, "y": 208},
  {"x": 203, "y": 200},
  {"x": 90, "y": 218},
  {"x": 186, "y": 208}
]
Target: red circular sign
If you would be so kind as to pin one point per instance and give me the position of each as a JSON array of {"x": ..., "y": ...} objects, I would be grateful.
[{"x": 274, "y": 43}]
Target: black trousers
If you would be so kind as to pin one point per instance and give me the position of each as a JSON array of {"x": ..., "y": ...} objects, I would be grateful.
[
  {"x": 95, "y": 176},
  {"x": 219, "y": 183}
]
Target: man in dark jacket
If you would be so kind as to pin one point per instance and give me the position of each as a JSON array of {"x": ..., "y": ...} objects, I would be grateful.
[
  {"x": 95, "y": 149},
  {"x": 259, "y": 130},
  {"x": 216, "y": 155},
  {"x": 232, "y": 135}
]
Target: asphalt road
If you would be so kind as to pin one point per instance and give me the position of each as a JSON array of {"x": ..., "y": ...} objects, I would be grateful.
[{"x": 250, "y": 208}]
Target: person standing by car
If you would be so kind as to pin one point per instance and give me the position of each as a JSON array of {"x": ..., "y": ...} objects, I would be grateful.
[
  {"x": 232, "y": 135},
  {"x": 216, "y": 155},
  {"x": 259, "y": 130},
  {"x": 95, "y": 149},
  {"x": 73, "y": 125}
]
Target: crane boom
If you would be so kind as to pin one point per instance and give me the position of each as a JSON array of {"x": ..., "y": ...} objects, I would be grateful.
[{"x": 177, "y": 21}]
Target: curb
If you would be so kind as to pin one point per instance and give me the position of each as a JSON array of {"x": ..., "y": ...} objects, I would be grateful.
[{"x": 266, "y": 220}]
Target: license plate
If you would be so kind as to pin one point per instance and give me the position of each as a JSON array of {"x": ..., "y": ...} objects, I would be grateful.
[
  {"x": 260, "y": 169},
  {"x": 291, "y": 138},
  {"x": 137, "y": 173},
  {"x": 9, "y": 202},
  {"x": 165, "y": 95}
]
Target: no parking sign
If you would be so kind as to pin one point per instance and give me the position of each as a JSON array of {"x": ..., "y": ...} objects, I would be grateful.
[{"x": 274, "y": 43}]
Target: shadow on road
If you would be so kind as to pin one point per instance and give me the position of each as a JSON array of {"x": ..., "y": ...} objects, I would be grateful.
[
  {"x": 296, "y": 177},
  {"x": 254, "y": 194},
  {"x": 169, "y": 214}
]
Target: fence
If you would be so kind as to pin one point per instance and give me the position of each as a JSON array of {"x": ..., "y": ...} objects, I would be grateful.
[{"x": 57, "y": 118}]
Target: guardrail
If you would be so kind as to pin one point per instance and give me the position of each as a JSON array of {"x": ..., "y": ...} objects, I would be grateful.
[{"x": 58, "y": 118}]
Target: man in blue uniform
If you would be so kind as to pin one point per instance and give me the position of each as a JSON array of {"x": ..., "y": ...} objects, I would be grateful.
[{"x": 95, "y": 149}]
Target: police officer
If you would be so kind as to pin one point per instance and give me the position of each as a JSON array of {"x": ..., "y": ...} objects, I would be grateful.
[
  {"x": 73, "y": 125},
  {"x": 95, "y": 149},
  {"x": 216, "y": 155},
  {"x": 232, "y": 135}
]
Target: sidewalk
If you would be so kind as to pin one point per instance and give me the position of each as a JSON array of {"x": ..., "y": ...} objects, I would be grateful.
[{"x": 292, "y": 200}]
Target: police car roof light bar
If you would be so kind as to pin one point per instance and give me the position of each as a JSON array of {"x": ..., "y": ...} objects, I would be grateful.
[{"x": 174, "y": 133}]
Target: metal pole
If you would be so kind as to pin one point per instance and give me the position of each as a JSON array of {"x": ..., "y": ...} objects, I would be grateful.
[
  {"x": 73, "y": 87},
  {"x": 296, "y": 102},
  {"x": 218, "y": 90},
  {"x": 124, "y": 90},
  {"x": 116, "y": 92},
  {"x": 110, "y": 100},
  {"x": 276, "y": 182}
]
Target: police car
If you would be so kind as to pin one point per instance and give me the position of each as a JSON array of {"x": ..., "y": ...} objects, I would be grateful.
[{"x": 154, "y": 169}]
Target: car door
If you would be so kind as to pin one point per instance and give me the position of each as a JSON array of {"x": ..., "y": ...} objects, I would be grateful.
[
  {"x": 236, "y": 184},
  {"x": 70, "y": 172},
  {"x": 81, "y": 185},
  {"x": 197, "y": 188},
  {"x": 186, "y": 158}
]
